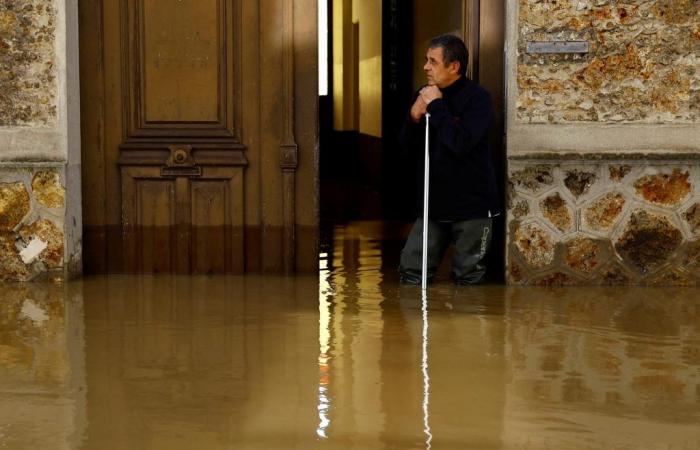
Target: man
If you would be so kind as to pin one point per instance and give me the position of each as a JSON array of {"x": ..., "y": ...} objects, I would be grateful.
[{"x": 463, "y": 194}]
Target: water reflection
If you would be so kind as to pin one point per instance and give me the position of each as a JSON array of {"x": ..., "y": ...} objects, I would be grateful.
[
  {"x": 346, "y": 360},
  {"x": 603, "y": 368},
  {"x": 42, "y": 367}
]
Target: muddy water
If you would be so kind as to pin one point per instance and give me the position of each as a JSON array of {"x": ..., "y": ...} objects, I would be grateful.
[{"x": 346, "y": 360}]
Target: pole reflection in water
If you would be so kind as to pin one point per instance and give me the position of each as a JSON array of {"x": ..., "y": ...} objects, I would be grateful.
[
  {"x": 426, "y": 376},
  {"x": 324, "y": 337}
]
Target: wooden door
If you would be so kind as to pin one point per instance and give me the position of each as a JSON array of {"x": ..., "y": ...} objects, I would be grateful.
[{"x": 191, "y": 146}]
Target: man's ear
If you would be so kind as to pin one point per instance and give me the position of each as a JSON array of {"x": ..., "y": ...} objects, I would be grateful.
[{"x": 454, "y": 65}]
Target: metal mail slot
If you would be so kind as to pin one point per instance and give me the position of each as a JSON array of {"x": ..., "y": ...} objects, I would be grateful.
[
  {"x": 558, "y": 47},
  {"x": 175, "y": 171}
]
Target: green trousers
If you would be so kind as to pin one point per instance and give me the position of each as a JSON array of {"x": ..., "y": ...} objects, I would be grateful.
[{"x": 471, "y": 238}]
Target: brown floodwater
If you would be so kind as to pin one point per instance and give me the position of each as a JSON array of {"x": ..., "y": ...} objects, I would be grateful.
[{"x": 348, "y": 359}]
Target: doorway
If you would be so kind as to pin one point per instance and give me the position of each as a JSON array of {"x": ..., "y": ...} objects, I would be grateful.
[
  {"x": 197, "y": 158},
  {"x": 375, "y": 51}
]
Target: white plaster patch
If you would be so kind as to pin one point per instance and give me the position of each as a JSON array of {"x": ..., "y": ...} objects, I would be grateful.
[{"x": 32, "y": 250}]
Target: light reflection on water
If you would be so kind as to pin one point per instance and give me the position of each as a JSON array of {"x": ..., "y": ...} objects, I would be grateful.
[{"x": 348, "y": 359}]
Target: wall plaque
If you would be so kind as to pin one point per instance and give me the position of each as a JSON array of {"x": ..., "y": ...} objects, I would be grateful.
[{"x": 557, "y": 47}]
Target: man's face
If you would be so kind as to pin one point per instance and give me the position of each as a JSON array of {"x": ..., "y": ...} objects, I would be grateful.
[{"x": 435, "y": 70}]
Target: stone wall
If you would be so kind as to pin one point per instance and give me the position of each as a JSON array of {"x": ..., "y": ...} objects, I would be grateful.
[
  {"x": 604, "y": 180},
  {"x": 604, "y": 222},
  {"x": 642, "y": 66},
  {"x": 39, "y": 140},
  {"x": 27, "y": 62},
  {"x": 32, "y": 208}
]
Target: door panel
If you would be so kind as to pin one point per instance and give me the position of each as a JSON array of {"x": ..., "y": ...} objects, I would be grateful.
[
  {"x": 209, "y": 234},
  {"x": 180, "y": 70},
  {"x": 180, "y": 63},
  {"x": 155, "y": 200},
  {"x": 183, "y": 224}
]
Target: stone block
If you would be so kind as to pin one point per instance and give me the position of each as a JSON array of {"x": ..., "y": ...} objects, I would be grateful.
[
  {"x": 521, "y": 209},
  {"x": 582, "y": 254},
  {"x": 692, "y": 215},
  {"x": 602, "y": 214},
  {"x": 648, "y": 241},
  {"x": 533, "y": 179},
  {"x": 47, "y": 189},
  {"x": 516, "y": 274},
  {"x": 11, "y": 266},
  {"x": 617, "y": 173},
  {"x": 672, "y": 277},
  {"x": 14, "y": 205},
  {"x": 48, "y": 232},
  {"x": 555, "y": 209},
  {"x": 555, "y": 279},
  {"x": 579, "y": 182},
  {"x": 614, "y": 275},
  {"x": 535, "y": 245},
  {"x": 664, "y": 189},
  {"x": 691, "y": 255}
]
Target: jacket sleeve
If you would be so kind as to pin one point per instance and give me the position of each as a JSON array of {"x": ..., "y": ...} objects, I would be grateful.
[
  {"x": 409, "y": 135},
  {"x": 461, "y": 134},
  {"x": 410, "y": 132}
]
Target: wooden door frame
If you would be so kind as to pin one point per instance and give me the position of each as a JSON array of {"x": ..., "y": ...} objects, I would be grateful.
[
  {"x": 471, "y": 26},
  {"x": 483, "y": 28}
]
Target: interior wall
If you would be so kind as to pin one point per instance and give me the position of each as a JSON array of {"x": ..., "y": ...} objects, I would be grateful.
[
  {"x": 357, "y": 66},
  {"x": 368, "y": 14},
  {"x": 343, "y": 82},
  {"x": 429, "y": 21}
]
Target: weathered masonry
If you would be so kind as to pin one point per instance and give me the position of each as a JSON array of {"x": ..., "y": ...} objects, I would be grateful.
[
  {"x": 40, "y": 214},
  {"x": 603, "y": 144}
]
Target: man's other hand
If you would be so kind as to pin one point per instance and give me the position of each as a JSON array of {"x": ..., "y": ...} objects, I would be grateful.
[
  {"x": 430, "y": 93},
  {"x": 418, "y": 109}
]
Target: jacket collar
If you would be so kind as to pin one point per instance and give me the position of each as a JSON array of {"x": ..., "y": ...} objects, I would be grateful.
[{"x": 455, "y": 87}]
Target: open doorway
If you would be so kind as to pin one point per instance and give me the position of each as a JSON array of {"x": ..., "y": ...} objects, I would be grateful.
[{"x": 371, "y": 57}]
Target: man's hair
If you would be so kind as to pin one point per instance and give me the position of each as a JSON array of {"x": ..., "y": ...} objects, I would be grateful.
[{"x": 453, "y": 49}]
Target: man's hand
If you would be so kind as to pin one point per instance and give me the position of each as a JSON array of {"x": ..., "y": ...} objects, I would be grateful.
[
  {"x": 430, "y": 93},
  {"x": 418, "y": 109}
]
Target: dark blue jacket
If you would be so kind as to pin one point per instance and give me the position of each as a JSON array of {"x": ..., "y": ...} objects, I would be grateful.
[{"x": 462, "y": 177}]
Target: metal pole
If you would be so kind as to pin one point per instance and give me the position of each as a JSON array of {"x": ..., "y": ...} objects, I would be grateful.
[{"x": 426, "y": 192}]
